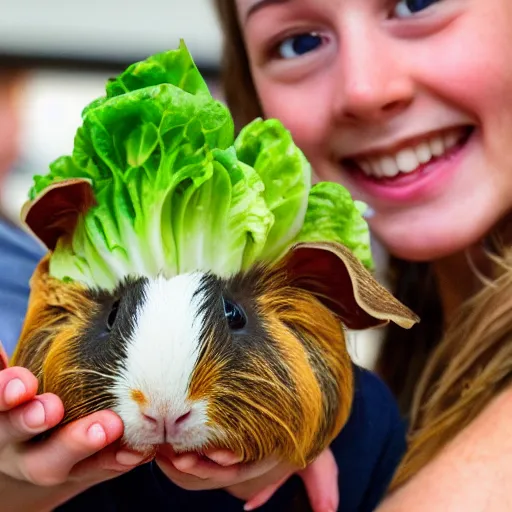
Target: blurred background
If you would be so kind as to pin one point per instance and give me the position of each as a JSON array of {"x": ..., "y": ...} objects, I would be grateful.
[{"x": 55, "y": 56}]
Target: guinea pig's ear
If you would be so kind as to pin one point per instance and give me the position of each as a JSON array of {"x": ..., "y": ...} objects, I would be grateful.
[
  {"x": 345, "y": 286},
  {"x": 55, "y": 211}
]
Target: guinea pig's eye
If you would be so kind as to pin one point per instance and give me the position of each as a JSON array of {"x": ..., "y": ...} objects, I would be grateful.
[
  {"x": 234, "y": 315},
  {"x": 112, "y": 315}
]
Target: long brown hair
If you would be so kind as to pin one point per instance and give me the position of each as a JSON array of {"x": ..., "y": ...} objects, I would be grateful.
[
  {"x": 470, "y": 365},
  {"x": 237, "y": 84},
  {"x": 442, "y": 378}
]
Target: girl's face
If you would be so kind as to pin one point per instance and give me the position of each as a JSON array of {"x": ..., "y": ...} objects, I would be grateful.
[{"x": 408, "y": 103}]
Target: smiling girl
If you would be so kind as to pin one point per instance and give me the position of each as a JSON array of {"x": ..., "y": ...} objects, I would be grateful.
[{"x": 408, "y": 103}]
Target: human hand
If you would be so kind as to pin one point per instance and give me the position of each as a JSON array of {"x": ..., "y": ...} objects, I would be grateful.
[
  {"x": 320, "y": 480},
  {"x": 254, "y": 483},
  {"x": 74, "y": 457}
]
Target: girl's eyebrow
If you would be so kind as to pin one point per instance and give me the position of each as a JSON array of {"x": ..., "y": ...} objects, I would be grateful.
[{"x": 259, "y": 4}]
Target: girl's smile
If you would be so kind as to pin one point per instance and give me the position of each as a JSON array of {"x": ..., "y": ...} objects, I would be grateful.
[
  {"x": 389, "y": 98},
  {"x": 411, "y": 170}
]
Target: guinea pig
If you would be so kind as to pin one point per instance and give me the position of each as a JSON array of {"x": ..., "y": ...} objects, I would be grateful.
[{"x": 256, "y": 362}]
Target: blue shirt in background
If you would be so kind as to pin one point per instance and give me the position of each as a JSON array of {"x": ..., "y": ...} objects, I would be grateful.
[
  {"x": 367, "y": 451},
  {"x": 19, "y": 255}
]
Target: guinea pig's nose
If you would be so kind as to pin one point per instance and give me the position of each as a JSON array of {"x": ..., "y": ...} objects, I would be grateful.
[
  {"x": 182, "y": 418},
  {"x": 169, "y": 420},
  {"x": 170, "y": 424}
]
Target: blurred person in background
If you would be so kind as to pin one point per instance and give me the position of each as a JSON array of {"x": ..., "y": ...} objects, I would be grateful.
[
  {"x": 11, "y": 87},
  {"x": 19, "y": 252}
]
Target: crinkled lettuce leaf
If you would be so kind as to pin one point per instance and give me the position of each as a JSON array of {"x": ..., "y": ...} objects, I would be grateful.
[
  {"x": 333, "y": 215},
  {"x": 286, "y": 174},
  {"x": 176, "y": 191}
]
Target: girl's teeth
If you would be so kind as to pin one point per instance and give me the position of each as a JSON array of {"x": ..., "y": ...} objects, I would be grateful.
[
  {"x": 437, "y": 146},
  {"x": 423, "y": 152},
  {"x": 389, "y": 166},
  {"x": 409, "y": 159},
  {"x": 366, "y": 166},
  {"x": 376, "y": 167},
  {"x": 450, "y": 140}
]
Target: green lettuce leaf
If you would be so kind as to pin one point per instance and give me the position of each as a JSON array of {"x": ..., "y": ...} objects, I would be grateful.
[
  {"x": 176, "y": 191},
  {"x": 286, "y": 174},
  {"x": 333, "y": 215}
]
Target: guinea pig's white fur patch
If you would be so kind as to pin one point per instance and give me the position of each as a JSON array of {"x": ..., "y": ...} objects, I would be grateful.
[{"x": 162, "y": 352}]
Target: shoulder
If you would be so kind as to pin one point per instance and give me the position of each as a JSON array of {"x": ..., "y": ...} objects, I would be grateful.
[
  {"x": 472, "y": 472},
  {"x": 19, "y": 255}
]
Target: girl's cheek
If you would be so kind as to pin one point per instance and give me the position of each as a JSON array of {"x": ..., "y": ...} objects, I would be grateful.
[
  {"x": 301, "y": 113},
  {"x": 475, "y": 74}
]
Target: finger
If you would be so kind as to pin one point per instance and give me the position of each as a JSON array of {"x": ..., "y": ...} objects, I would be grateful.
[
  {"x": 183, "y": 480},
  {"x": 263, "y": 496},
  {"x": 109, "y": 462},
  {"x": 127, "y": 457},
  {"x": 4, "y": 360},
  {"x": 321, "y": 482},
  {"x": 193, "y": 464},
  {"x": 51, "y": 461},
  {"x": 206, "y": 469},
  {"x": 17, "y": 385},
  {"x": 223, "y": 457},
  {"x": 30, "y": 419}
]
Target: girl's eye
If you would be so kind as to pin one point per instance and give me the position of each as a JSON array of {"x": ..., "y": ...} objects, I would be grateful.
[
  {"x": 296, "y": 46},
  {"x": 406, "y": 8}
]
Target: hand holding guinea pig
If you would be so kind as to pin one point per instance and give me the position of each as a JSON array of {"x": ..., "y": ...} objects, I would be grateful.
[
  {"x": 40, "y": 476},
  {"x": 86, "y": 452}
]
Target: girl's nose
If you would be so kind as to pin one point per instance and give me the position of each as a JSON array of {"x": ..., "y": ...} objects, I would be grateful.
[{"x": 373, "y": 82}]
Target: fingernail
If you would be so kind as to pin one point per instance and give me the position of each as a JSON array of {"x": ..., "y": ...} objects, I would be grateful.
[
  {"x": 248, "y": 506},
  {"x": 34, "y": 416},
  {"x": 225, "y": 458},
  {"x": 96, "y": 433},
  {"x": 185, "y": 462},
  {"x": 13, "y": 391},
  {"x": 127, "y": 458}
]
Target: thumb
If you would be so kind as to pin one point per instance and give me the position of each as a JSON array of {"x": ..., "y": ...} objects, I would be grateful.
[
  {"x": 321, "y": 481},
  {"x": 264, "y": 495}
]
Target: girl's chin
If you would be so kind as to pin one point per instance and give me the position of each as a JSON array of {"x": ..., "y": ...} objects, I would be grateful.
[
  {"x": 439, "y": 229},
  {"x": 429, "y": 243},
  {"x": 420, "y": 254}
]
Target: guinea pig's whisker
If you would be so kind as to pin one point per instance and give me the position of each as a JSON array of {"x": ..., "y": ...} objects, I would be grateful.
[
  {"x": 256, "y": 379},
  {"x": 87, "y": 405},
  {"x": 109, "y": 367},
  {"x": 268, "y": 413},
  {"x": 125, "y": 338},
  {"x": 80, "y": 371}
]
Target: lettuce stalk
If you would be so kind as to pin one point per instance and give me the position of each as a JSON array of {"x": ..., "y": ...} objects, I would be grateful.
[{"x": 176, "y": 191}]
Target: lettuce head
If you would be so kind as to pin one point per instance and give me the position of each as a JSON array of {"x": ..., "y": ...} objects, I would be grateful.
[{"x": 176, "y": 191}]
